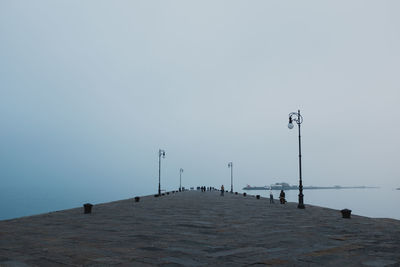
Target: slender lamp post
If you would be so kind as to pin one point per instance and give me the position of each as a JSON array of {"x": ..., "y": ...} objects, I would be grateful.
[
  {"x": 230, "y": 165},
  {"x": 295, "y": 116},
  {"x": 160, "y": 153},
  {"x": 180, "y": 179}
]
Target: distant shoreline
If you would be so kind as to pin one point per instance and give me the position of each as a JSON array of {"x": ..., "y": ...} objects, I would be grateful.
[{"x": 295, "y": 187}]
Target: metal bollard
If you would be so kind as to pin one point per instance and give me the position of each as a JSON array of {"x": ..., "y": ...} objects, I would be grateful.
[
  {"x": 258, "y": 196},
  {"x": 87, "y": 208},
  {"x": 346, "y": 213},
  {"x": 137, "y": 199}
]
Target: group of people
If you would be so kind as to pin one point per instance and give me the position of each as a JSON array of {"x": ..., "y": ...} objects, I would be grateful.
[
  {"x": 204, "y": 189},
  {"x": 282, "y": 199}
]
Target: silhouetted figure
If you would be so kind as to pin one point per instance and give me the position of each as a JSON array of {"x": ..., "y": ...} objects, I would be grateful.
[
  {"x": 222, "y": 190},
  {"x": 271, "y": 197},
  {"x": 282, "y": 197}
]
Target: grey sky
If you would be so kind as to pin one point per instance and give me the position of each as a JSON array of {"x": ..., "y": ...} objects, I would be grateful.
[{"x": 90, "y": 90}]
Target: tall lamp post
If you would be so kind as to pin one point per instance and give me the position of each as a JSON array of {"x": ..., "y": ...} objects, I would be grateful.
[
  {"x": 180, "y": 179},
  {"x": 160, "y": 153},
  {"x": 230, "y": 165},
  {"x": 295, "y": 116}
]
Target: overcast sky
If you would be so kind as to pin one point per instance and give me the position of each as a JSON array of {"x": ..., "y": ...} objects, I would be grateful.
[{"x": 90, "y": 90}]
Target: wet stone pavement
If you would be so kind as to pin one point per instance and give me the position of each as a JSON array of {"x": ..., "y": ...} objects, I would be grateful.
[{"x": 196, "y": 228}]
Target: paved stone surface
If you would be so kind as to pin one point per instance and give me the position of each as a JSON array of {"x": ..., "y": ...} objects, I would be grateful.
[{"x": 195, "y": 228}]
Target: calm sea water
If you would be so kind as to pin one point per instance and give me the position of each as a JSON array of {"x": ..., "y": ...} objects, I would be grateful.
[
  {"x": 370, "y": 202},
  {"x": 377, "y": 203}
]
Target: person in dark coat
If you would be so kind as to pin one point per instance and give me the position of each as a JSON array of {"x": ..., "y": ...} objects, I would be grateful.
[{"x": 282, "y": 197}]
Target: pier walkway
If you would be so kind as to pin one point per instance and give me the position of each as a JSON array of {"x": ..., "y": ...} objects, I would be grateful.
[{"x": 196, "y": 228}]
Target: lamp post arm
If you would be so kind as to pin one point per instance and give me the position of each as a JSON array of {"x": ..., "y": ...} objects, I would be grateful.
[{"x": 295, "y": 116}]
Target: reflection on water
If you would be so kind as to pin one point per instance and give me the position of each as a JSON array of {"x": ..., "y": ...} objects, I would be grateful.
[{"x": 370, "y": 202}]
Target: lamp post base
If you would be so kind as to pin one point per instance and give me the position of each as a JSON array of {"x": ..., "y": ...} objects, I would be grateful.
[{"x": 301, "y": 202}]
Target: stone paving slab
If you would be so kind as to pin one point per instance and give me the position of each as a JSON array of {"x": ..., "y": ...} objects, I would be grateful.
[{"x": 194, "y": 228}]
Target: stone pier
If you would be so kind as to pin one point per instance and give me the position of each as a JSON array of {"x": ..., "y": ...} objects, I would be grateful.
[{"x": 194, "y": 228}]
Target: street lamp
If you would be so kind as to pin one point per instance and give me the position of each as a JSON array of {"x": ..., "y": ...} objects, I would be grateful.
[
  {"x": 180, "y": 179},
  {"x": 160, "y": 153},
  {"x": 295, "y": 116},
  {"x": 230, "y": 165}
]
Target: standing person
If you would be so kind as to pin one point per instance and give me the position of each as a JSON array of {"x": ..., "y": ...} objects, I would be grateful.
[
  {"x": 282, "y": 197},
  {"x": 271, "y": 196},
  {"x": 222, "y": 190}
]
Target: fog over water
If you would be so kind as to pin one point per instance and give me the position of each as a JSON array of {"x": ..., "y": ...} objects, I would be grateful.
[{"x": 91, "y": 90}]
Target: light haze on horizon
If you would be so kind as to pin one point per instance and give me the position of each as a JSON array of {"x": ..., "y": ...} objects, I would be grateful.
[{"x": 90, "y": 90}]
